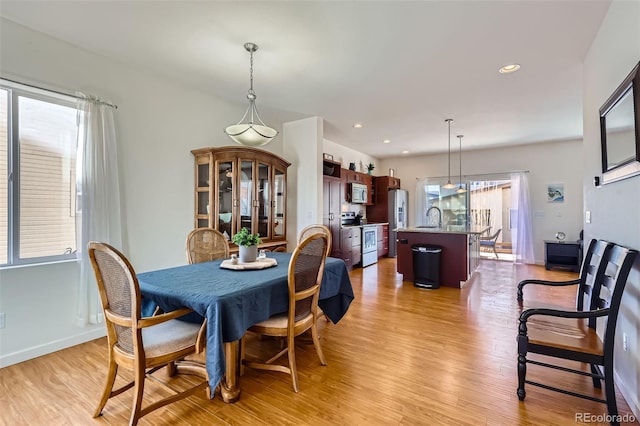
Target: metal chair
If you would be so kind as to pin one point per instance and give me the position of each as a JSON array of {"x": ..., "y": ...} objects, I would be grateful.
[{"x": 490, "y": 242}]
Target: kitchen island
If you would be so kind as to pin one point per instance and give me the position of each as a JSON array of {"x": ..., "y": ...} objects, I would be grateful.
[{"x": 460, "y": 251}]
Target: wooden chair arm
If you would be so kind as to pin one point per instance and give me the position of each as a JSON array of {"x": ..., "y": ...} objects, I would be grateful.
[
  {"x": 522, "y": 283},
  {"x": 149, "y": 321},
  {"x": 524, "y": 316}
]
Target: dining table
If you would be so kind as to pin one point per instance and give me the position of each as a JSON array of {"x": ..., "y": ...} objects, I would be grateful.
[{"x": 231, "y": 301}]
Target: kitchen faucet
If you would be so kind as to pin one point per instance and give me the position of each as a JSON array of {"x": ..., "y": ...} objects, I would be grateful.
[{"x": 430, "y": 218}]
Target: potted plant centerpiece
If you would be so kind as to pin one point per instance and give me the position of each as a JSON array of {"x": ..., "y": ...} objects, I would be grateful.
[
  {"x": 247, "y": 244},
  {"x": 370, "y": 168}
]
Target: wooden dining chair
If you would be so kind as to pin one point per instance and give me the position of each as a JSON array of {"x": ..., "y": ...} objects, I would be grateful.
[
  {"x": 316, "y": 229},
  {"x": 205, "y": 245},
  {"x": 591, "y": 272},
  {"x": 572, "y": 334},
  {"x": 305, "y": 276},
  {"x": 143, "y": 345}
]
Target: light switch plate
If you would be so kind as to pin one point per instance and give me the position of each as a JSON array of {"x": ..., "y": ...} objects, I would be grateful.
[{"x": 587, "y": 216}]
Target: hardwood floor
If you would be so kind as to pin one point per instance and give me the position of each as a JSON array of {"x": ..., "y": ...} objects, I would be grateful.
[{"x": 401, "y": 356}]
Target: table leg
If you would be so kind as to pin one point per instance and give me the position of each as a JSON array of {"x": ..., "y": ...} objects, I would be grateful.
[{"x": 229, "y": 389}]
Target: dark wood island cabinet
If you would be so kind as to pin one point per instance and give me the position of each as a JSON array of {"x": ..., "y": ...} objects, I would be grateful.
[{"x": 458, "y": 259}]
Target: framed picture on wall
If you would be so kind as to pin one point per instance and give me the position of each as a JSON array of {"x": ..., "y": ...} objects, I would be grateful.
[{"x": 555, "y": 193}]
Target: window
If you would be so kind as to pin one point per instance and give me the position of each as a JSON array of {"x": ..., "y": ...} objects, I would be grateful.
[{"x": 38, "y": 137}]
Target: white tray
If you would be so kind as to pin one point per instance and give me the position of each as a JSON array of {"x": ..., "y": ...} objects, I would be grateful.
[{"x": 258, "y": 264}]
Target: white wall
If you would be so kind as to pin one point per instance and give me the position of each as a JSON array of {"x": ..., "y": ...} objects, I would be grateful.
[
  {"x": 346, "y": 155},
  {"x": 551, "y": 162},
  {"x": 158, "y": 123},
  {"x": 615, "y": 208},
  {"x": 303, "y": 147}
]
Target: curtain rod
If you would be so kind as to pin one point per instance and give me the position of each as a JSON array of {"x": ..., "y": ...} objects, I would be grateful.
[
  {"x": 84, "y": 97},
  {"x": 476, "y": 175}
]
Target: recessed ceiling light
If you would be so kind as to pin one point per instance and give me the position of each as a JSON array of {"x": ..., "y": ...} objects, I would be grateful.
[
  {"x": 405, "y": 152},
  {"x": 509, "y": 68},
  {"x": 386, "y": 141},
  {"x": 358, "y": 126}
]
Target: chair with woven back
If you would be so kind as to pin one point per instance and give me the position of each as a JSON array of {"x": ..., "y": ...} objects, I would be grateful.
[
  {"x": 305, "y": 276},
  {"x": 316, "y": 229},
  {"x": 205, "y": 245},
  {"x": 142, "y": 344},
  {"x": 572, "y": 334}
]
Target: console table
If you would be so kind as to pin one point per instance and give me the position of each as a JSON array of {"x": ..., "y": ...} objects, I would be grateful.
[{"x": 566, "y": 254}]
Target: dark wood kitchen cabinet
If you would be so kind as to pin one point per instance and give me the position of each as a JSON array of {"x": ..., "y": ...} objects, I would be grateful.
[
  {"x": 383, "y": 240},
  {"x": 331, "y": 203}
]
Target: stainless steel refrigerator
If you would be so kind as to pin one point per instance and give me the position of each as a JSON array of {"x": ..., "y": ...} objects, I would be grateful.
[{"x": 397, "y": 217}]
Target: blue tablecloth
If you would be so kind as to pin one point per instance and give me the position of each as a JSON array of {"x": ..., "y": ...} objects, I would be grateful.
[{"x": 232, "y": 301}]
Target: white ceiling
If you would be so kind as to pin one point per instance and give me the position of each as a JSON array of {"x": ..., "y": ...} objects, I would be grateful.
[{"x": 400, "y": 68}]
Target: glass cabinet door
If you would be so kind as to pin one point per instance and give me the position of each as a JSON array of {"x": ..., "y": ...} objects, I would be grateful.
[
  {"x": 279, "y": 207},
  {"x": 224, "y": 213},
  {"x": 263, "y": 204},
  {"x": 245, "y": 196},
  {"x": 203, "y": 195}
]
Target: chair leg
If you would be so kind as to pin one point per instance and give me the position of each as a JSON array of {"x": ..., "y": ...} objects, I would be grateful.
[
  {"x": 241, "y": 356},
  {"x": 495, "y": 252},
  {"x": 596, "y": 381},
  {"x": 610, "y": 392},
  {"x": 316, "y": 344},
  {"x": 522, "y": 372},
  {"x": 138, "y": 391},
  {"x": 291, "y": 353},
  {"x": 108, "y": 387}
]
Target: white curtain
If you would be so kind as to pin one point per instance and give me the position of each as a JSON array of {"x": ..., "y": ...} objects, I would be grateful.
[
  {"x": 99, "y": 188},
  {"x": 522, "y": 235}
]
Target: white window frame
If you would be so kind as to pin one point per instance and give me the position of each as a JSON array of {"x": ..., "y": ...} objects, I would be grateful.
[{"x": 13, "y": 152}]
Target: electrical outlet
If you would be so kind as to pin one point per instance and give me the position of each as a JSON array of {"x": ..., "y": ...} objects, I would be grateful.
[
  {"x": 625, "y": 341},
  {"x": 3, "y": 320}
]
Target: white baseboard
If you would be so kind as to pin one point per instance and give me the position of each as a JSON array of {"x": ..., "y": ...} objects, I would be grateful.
[
  {"x": 47, "y": 348},
  {"x": 628, "y": 395}
]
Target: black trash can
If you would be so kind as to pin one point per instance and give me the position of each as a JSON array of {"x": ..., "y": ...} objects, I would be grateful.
[{"x": 426, "y": 265}]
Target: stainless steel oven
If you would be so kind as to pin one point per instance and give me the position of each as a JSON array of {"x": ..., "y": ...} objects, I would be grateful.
[{"x": 369, "y": 245}]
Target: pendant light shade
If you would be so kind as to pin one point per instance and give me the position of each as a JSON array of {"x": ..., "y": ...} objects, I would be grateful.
[
  {"x": 252, "y": 132},
  {"x": 449, "y": 185},
  {"x": 460, "y": 189}
]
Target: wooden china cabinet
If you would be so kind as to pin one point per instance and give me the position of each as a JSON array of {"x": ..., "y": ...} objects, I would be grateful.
[{"x": 242, "y": 187}]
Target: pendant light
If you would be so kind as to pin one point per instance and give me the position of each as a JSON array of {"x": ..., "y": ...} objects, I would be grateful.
[
  {"x": 250, "y": 133},
  {"x": 460, "y": 189},
  {"x": 449, "y": 185}
]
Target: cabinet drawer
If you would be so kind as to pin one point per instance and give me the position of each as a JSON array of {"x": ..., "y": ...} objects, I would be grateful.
[
  {"x": 355, "y": 237},
  {"x": 561, "y": 249}
]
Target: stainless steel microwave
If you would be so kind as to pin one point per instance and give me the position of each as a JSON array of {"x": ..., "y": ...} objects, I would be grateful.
[{"x": 358, "y": 193}]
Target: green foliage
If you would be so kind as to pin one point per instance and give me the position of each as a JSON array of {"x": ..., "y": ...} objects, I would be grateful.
[
  {"x": 370, "y": 166},
  {"x": 244, "y": 238}
]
